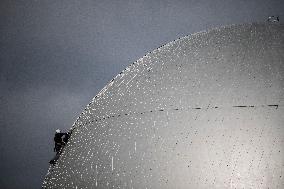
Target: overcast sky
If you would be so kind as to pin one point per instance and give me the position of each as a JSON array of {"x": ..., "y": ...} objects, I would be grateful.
[{"x": 55, "y": 56}]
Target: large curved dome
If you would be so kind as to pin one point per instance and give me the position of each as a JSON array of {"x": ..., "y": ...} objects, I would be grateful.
[{"x": 204, "y": 111}]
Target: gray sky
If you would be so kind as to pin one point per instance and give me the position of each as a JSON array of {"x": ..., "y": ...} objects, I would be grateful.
[{"x": 55, "y": 56}]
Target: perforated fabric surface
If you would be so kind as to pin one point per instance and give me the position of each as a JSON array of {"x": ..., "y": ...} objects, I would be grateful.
[{"x": 204, "y": 111}]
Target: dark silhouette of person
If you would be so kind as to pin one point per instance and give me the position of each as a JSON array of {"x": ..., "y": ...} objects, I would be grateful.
[{"x": 60, "y": 140}]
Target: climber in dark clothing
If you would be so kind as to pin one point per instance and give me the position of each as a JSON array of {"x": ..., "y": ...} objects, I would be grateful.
[{"x": 60, "y": 139}]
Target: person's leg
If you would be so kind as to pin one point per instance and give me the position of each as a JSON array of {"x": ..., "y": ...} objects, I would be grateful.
[
  {"x": 58, "y": 146},
  {"x": 54, "y": 160}
]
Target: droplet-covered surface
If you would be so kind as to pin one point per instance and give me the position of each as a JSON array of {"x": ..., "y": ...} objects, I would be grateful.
[{"x": 204, "y": 111}]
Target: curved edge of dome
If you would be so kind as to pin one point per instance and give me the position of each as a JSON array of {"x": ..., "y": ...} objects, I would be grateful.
[
  {"x": 192, "y": 36},
  {"x": 157, "y": 50}
]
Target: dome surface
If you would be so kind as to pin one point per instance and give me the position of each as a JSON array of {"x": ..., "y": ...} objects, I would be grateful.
[{"x": 204, "y": 111}]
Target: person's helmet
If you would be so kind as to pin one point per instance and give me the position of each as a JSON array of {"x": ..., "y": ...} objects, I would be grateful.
[{"x": 57, "y": 131}]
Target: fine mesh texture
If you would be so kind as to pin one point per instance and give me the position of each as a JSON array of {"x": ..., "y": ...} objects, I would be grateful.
[{"x": 204, "y": 111}]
